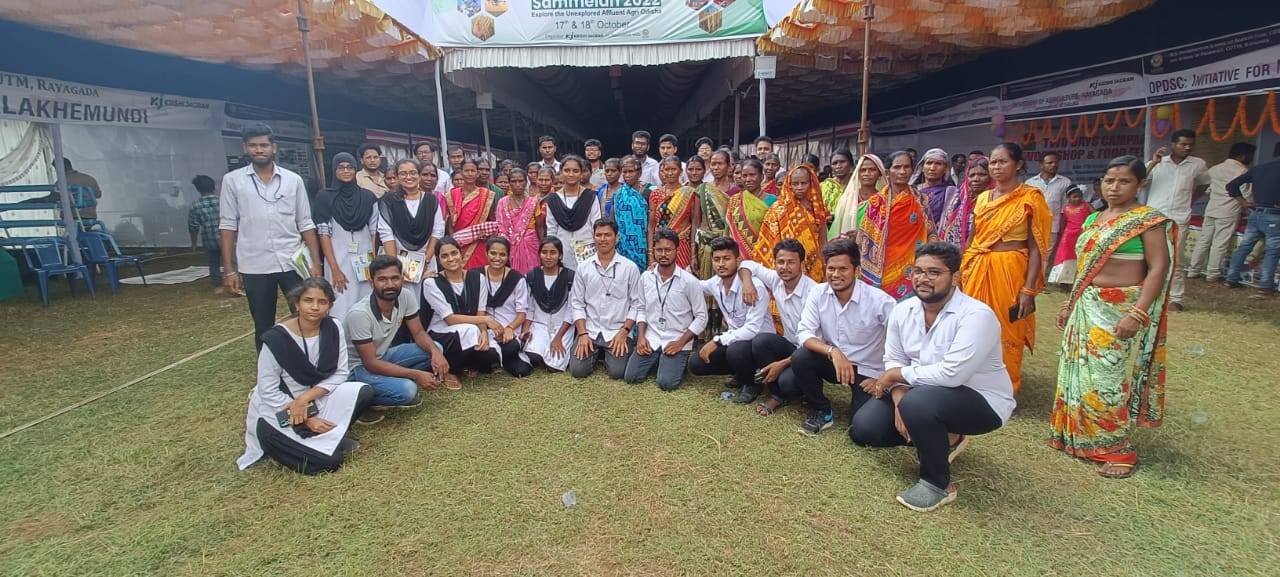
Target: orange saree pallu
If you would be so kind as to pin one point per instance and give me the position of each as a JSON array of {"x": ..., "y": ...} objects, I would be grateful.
[
  {"x": 788, "y": 218},
  {"x": 887, "y": 239}
]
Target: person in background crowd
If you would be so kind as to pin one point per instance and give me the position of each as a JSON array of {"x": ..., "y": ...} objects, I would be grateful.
[
  {"x": 517, "y": 222},
  {"x": 505, "y": 167},
  {"x": 790, "y": 289},
  {"x": 931, "y": 185},
  {"x": 458, "y": 304},
  {"x": 914, "y": 155},
  {"x": 1054, "y": 188},
  {"x": 1004, "y": 262},
  {"x": 469, "y": 210},
  {"x": 1175, "y": 179},
  {"x": 484, "y": 178},
  {"x": 547, "y": 152},
  {"x": 427, "y": 175},
  {"x": 606, "y": 302},
  {"x": 88, "y": 208},
  {"x": 746, "y": 209},
  {"x": 289, "y": 382},
  {"x": 729, "y": 353},
  {"x": 763, "y": 145},
  {"x": 548, "y": 330},
  {"x": 532, "y": 169},
  {"x": 425, "y": 153},
  {"x": 648, "y": 165},
  {"x": 1263, "y": 224},
  {"x": 667, "y": 323},
  {"x": 570, "y": 212},
  {"x": 346, "y": 221},
  {"x": 868, "y": 178},
  {"x": 507, "y": 302},
  {"x": 503, "y": 182},
  {"x": 410, "y": 224},
  {"x": 891, "y": 226},
  {"x": 370, "y": 175},
  {"x": 1221, "y": 214},
  {"x": 958, "y": 164},
  {"x": 799, "y": 214},
  {"x": 1074, "y": 214},
  {"x": 703, "y": 147},
  {"x": 976, "y": 154},
  {"x": 389, "y": 178},
  {"x": 629, "y": 208},
  {"x": 264, "y": 218},
  {"x": 841, "y": 176},
  {"x": 202, "y": 221},
  {"x": 455, "y": 181},
  {"x": 668, "y": 145},
  {"x": 944, "y": 380},
  {"x": 772, "y": 172},
  {"x": 673, "y": 206},
  {"x": 957, "y": 217},
  {"x": 1111, "y": 367},
  {"x": 455, "y": 159},
  {"x": 544, "y": 181},
  {"x": 606, "y": 190},
  {"x": 396, "y": 372},
  {"x": 592, "y": 149},
  {"x": 713, "y": 199},
  {"x": 841, "y": 337}
]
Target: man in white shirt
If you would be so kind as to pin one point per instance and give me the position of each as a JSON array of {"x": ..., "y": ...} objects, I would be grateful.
[
  {"x": 1221, "y": 215},
  {"x": 264, "y": 217},
  {"x": 944, "y": 377},
  {"x": 790, "y": 288},
  {"x": 673, "y": 311},
  {"x": 547, "y": 150},
  {"x": 640, "y": 149},
  {"x": 729, "y": 353},
  {"x": 841, "y": 336},
  {"x": 426, "y": 154},
  {"x": 606, "y": 302},
  {"x": 669, "y": 145},
  {"x": 594, "y": 151},
  {"x": 1174, "y": 180},
  {"x": 1054, "y": 187}
]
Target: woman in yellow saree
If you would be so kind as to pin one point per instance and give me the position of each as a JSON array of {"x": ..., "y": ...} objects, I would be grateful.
[
  {"x": 746, "y": 209},
  {"x": 800, "y": 213},
  {"x": 1004, "y": 263},
  {"x": 890, "y": 226}
]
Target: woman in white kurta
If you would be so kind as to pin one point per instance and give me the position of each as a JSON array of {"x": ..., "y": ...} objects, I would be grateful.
[
  {"x": 346, "y": 221},
  {"x": 411, "y": 222},
  {"x": 507, "y": 302},
  {"x": 458, "y": 302},
  {"x": 571, "y": 211},
  {"x": 303, "y": 364},
  {"x": 548, "y": 327}
]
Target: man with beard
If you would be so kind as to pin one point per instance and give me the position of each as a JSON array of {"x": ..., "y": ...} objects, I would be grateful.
[
  {"x": 594, "y": 152},
  {"x": 729, "y": 353},
  {"x": 649, "y": 165},
  {"x": 673, "y": 312},
  {"x": 790, "y": 289},
  {"x": 841, "y": 334},
  {"x": 264, "y": 219},
  {"x": 944, "y": 377},
  {"x": 395, "y": 372}
]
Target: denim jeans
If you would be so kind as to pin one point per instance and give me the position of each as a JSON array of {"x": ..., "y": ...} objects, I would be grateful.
[
  {"x": 215, "y": 266},
  {"x": 1261, "y": 226},
  {"x": 670, "y": 368},
  {"x": 395, "y": 391}
]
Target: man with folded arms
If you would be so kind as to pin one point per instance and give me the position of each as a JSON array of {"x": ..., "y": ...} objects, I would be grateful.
[
  {"x": 729, "y": 353},
  {"x": 673, "y": 312}
]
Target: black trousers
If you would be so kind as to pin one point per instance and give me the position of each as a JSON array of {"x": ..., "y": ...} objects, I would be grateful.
[
  {"x": 929, "y": 413},
  {"x": 805, "y": 377},
  {"x": 461, "y": 360},
  {"x": 260, "y": 290},
  {"x": 511, "y": 361},
  {"x": 301, "y": 458},
  {"x": 734, "y": 359},
  {"x": 767, "y": 349}
]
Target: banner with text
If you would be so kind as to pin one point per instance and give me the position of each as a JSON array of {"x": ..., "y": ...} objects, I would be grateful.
[
  {"x": 1238, "y": 63},
  {"x": 36, "y": 99},
  {"x": 1108, "y": 87},
  {"x": 966, "y": 109}
]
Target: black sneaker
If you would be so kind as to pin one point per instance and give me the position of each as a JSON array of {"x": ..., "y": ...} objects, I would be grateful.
[
  {"x": 416, "y": 402},
  {"x": 817, "y": 422},
  {"x": 747, "y": 395},
  {"x": 347, "y": 446},
  {"x": 370, "y": 417}
]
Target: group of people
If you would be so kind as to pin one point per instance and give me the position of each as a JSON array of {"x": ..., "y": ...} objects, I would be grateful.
[{"x": 917, "y": 292}]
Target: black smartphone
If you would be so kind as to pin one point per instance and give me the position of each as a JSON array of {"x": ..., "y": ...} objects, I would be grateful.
[
  {"x": 282, "y": 416},
  {"x": 1013, "y": 311}
]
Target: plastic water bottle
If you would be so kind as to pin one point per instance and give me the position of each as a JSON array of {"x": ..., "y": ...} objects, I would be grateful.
[{"x": 1199, "y": 418}]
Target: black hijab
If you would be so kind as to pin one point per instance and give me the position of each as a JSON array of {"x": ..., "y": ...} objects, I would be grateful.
[
  {"x": 575, "y": 218},
  {"x": 413, "y": 231},
  {"x": 295, "y": 361},
  {"x": 550, "y": 300},
  {"x": 344, "y": 202}
]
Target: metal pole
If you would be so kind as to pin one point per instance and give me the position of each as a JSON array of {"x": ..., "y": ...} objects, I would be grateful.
[
  {"x": 515, "y": 142},
  {"x": 762, "y": 130},
  {"x": 720, "y": 127},
  {"x": 484, "y": 122},
  {"x": 64, "y": 197},
  {"x": 737, "y": 119},
  {"x": 444, "y": 133},
  {"x": 317, "y": 141},
  {"x": 864, "y": 134}
]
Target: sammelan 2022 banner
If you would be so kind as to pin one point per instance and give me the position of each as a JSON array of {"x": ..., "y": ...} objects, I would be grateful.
[{"x": 492, "y": 23}]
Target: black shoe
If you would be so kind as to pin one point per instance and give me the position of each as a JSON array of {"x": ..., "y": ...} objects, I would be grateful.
[
  {"x": 747, "y": 395},
  {"x": 1231, "y": 284},
  {"x": 817, "y": 422},
  {"x": 370, "y": 417},
  {"x": 347, "y": 446}
]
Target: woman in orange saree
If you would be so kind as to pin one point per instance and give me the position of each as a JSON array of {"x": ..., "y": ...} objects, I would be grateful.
[
  {"x": 1003, "y": 266},
  {"x": 675, "y": 206},
  {"x": 799, "y": 213},
  {"x": 891, "y": 225}
]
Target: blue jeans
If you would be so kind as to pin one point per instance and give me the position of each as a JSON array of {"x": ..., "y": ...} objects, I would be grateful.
[
  {"x": 215, "y": 265},
  {"x": 670, "y": 368},
  {"x": 1260, "y": 226},
  {"x": 395, "y": 391}
]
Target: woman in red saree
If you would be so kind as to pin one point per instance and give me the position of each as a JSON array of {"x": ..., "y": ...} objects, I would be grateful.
[
  {"x": 799, "y": 213},
  {"x": 891, "y": 225},
  {"x": 1003, "y": 266},
  {"x": 470, "y": 211},
  {"x": 674, "y": 206}
]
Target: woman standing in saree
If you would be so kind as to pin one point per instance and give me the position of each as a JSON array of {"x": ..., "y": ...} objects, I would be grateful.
[
  {"x": 516, "y": 222},
  {"x": 675, "y": 206},
  {"x": 956, "y": 225},
  {"x": 932, "y": 183},
  {"x": 470, "y": 210},
  {"x": 609, "y": 188},
  {"x": 1004, "y": 264},
  {"x": 891, "y": 226},
  {"x": 713, "y": 199},
  {"x": 800, "y": 214},
  {"x": 631, "y": 213},
  {"x": 1111, "y": 373},
  {"x": 841, "y": 175},
  {"x": 868, "y": 178},
  {"x": 746, "y": 209}
]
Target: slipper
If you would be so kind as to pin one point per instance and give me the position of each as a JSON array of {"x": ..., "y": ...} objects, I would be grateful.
[
  {"x": 924, "y": 497},
  {"x": 763, "y": 409},
  {"x": 452, "y": 383},
  {"x": 957, "y": 448},
  {"x": 1131, "y": 469}
]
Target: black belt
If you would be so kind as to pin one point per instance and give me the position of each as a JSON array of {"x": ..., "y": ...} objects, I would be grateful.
[{"x": 1267, "y": 209}]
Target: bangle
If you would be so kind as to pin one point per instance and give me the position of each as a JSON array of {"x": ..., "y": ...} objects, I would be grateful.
[
  {"x": 232, "y": 273},
  {"x": 1028, "y": 292}
]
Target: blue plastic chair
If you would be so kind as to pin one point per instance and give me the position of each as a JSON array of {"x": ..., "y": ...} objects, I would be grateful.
[
  {"x": 96, "y": 253},
  {"x": 48, "y": 262}
]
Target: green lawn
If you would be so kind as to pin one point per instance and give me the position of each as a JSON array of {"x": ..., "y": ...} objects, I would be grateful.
[{"x": 143, "y": 482}]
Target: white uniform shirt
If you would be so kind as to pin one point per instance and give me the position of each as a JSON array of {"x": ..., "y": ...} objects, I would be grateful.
[
  {"x": 962, "y": 349},
  {"x": 606, "y": 297},
  {"x": 649, "y": 171},
  {"x": 669, "y": 308},
  {"x": 1055, "y": 194},
  {"x": 517, "y": 302},
  {"x": 268, "y": 217},
  {"x": 572, "y": 238},
  {"x": 1172, "y": 185},
  {"x": 437, "y": 229},
  {"x": 790, "y": 305},
  {"x": 745, "y": 322},
  {"x": 857, "y": 328},
  {"x": 1221, "y": 205},
  {"x": 468, "y": 334}
]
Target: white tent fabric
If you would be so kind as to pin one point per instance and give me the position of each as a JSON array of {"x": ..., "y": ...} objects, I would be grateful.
[{"x": 604, "y": 55}]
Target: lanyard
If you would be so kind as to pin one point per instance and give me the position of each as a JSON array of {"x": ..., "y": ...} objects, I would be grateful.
[
  {"x": 253, "y": 178},
  {"x": 662, "y": 299}
]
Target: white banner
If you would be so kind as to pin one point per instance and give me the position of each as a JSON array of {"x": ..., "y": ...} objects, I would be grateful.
[
  {"x": 1235, "y": 64},
  {"x": 36, "y": 99}
]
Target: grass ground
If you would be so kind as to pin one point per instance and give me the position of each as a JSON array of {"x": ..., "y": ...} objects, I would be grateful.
[{"x": 143, "y": 481}]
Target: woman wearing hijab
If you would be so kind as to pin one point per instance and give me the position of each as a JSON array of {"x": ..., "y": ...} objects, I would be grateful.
[
  {"x": 801, "y": 214},
  {"x": 868, "y": 177},
  {"x": 956, "y": 226},
  {"x": 892, "y": 226},
  {"x": 411, "y": 222},
  {"x": 932, "y": 183},
  {"x": 346, "y": 222}
]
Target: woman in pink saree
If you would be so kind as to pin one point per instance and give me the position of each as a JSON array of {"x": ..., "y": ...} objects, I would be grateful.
[{"x": 515, "y": 216}]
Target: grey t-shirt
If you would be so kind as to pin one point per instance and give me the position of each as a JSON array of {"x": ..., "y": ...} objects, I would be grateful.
[{"x": 366, "y": 324}]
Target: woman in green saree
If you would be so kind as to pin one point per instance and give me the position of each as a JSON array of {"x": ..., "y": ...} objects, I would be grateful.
[{"x": 746, "y": 210}]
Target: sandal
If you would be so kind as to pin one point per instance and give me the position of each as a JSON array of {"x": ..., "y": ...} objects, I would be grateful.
[
  {"x": 1127, "y": 470},
  {"x": 770, "y": 405},
  {"x": 452, "y": 383}
]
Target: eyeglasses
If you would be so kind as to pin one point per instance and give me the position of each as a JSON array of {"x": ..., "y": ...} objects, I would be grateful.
[
  {"x": 345, "y": 167},
  {"x": 931, "y": 274},
  {"x": 407, "y": 173}
]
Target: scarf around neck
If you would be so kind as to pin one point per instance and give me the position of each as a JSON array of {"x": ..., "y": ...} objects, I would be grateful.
[
  {"x": 509, "y": 281},
  {"x": 411, "y": 230},
  {"x": 551, "y": 299},
  {"x": 296, "y": 362},
  {"x": 572, "y": 218}
]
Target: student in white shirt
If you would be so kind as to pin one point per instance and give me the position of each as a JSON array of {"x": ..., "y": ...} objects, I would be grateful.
[
  {"x": 458, "y": 303},
  {"x": 548, "y": 330},
  {"x": 506, "y": 301},
  {"x": 648, "y": 164},
  {"x": 571, "y": 212},
  {"x": 729, "y": 353},
  {"x": 944, "y": 377},
  {"x": 346, "y": 217},
  {"x": 606, "y": 301},
  {"x": 841, "y": 334},
  {"x": 790, "y": 288},
  {"x": 410, "y": 223},
  {"x": 673, "y": 311}
]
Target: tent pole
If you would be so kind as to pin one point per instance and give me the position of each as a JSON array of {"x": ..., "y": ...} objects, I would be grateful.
[
  {"x": 515, "y": 141},
  {"x": 762, "y": 130},
  {"x": 737, "y": 120},
  {"x": 444, "y": 133},
  {"x": 864, "y": 134},
  {"x": 317, "y": 141},
  {"x": 720, "y": 127},
  {"x": 64, "y": 197},
  {"x": 484, "y": 122}
]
